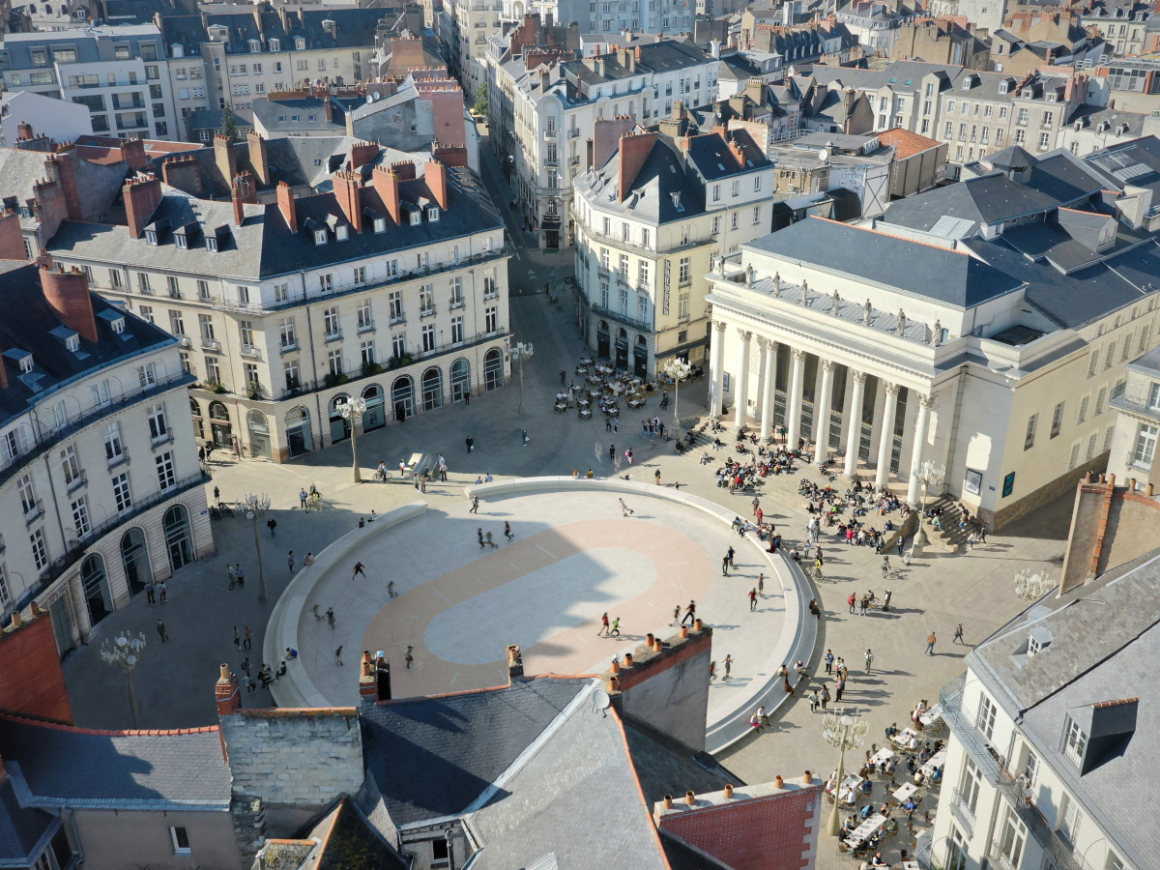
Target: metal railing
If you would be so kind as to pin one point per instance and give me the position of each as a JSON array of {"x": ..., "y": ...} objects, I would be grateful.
[
  {"x": 76, "y": 550},
  {"x": 998, "y": 857},
  {"x": 620, "y": 318},
  {"x": 961, "y": 811},
  {"x": 1134, "y": 405},
  {"x": 625, "y": 245},
  {"x": 989, "y": 761},
  {"x": 44, "y": 440}
]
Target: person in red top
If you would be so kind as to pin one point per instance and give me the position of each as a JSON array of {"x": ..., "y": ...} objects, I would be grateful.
[
  {"x": 752, "y": 599},
  {"x": 852, "y": 600},
  {"x": 604, "y": 625}
]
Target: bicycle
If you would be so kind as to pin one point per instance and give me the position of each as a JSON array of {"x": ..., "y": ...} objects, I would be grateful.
[
  {"x": 382, "y": 475},
  {"x": 816, "y": 576}
]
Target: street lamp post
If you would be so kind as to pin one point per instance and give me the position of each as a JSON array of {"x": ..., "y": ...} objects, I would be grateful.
[
  {"x": 844, "y": 732},
  {"x": 520, "y": 352},
  {"x": 124, "y": 652},
  {"x": 252, "y": 516},
  {"x": 928, "y": 475},
  {"x": 678, "y": 370},
  {"x": 353, "y": 410}
]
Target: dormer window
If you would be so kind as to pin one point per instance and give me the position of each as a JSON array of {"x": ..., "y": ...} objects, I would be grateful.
[
  {"x": 255, "y": 45},
  {"x": 181, "y": 241},
  {"x": 211, "y": 244},
  {"x": 967, "y": 83},
  {"x": 677, "y": 201},
  {"x": 151, "y": 237},
  {"x": 380, "y": 225},
  {"x": 416, "y": 218},
  {"x": 118, "y": 325},
  {"x": 1033, "y": 646},
  {"x": 1002, "y": 87},
  {"x": 340, "y": 233},
  {"x": 1051, "y": 97},
  {"x": 432, "y": 215},
  {"x": 73, "y": 343},
  {"x": 300, "y": 42},
  {"x": 320, "y": 237},
  {"x": 26, "y": 363},
  {"x": 1075, "y": 742},
  {"x": 275, "y": 44}
]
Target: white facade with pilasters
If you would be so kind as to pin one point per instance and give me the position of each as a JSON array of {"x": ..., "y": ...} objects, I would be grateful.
[{"x": 876, "y": 373}]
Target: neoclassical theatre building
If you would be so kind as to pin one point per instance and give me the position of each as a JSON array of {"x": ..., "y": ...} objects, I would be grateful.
[{"x": 883, "y": 351}]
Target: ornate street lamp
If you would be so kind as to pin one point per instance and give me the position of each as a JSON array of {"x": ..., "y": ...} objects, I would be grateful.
[
  {"x": 1032, "y": 587},
  {"x": 124, "y": 652},
  {"x": 258, "y": 508},
  {"x": 928, "y": 475},
  {"x": 843, "y": 732},
  {"x": 520, "y": 352},
  {"x": 352, "y": 410},
  {"x": 678, "y": 370}
]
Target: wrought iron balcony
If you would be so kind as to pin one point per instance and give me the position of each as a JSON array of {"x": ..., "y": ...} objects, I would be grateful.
[{"x": 963, "y": 813}]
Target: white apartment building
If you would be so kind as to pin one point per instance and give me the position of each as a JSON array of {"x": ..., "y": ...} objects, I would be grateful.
[
  {"x": 98, "y": 463},
  {"x": 649, "y": 223},
  {"x": 469, "y": 24},
  {"x": 117, "y": 72},
  {"x": 543, "y": 118},
  {"x": 392, "y": 287},
  {"x": 1137, "y": 400},
  {"x": 1050, "y": 762}
]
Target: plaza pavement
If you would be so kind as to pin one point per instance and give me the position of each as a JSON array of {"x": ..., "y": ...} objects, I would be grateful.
[{"x": 174, "y": 682}]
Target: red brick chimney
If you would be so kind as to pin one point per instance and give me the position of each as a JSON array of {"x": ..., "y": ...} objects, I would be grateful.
[
  {"x": 386, "y": 182},
  {"x": 11, "y": 239},
  {"x": 634, "y": 150},
  {"x": 366, "y": 680},
  {"x": 68, "y": 294},
  {"x": 226, "y": 693},
  {"x": 25, "y": 131},
  {"x": 362, "y": 153},
  {"x": 436, "y": 175},
  {"x": 258, "y": 161},
  {"x": 182, "y": 172},
  {"x": 225, "y": 157},
  {"x": 346, "y": 191},
  {"x": 287, "y": 207},
  {"x": 142, "y": 196},
  {"x": 62, "y": 164},
  {"x": 237, "y": 199},
  {"x": 133, "y": 153}
]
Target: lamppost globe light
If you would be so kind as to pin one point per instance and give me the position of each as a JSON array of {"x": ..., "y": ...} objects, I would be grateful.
[{"x": 249, "y": 515}]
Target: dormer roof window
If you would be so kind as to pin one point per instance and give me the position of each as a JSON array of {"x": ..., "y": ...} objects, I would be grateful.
[
  {"x": 300, "y": 42},
  {"x": 211, "y": 244},
  {"x": 433, "y": 214},
  {"x": 275, "y": 44},
  {"x": 380, "y": 225},
  {"x": 73, "y": 343},
  {"x": 1002, "y": 87},
  {"x": 416, "y": 218},
  {"x": 118, "y": 325},
  {"x": 255, "y": 45},
  {"x": 26, "y": 363},
  {"x": 320, "y": 237},
  {"x": 341, "y": 232},
  {"x": 151, "y": 237}
]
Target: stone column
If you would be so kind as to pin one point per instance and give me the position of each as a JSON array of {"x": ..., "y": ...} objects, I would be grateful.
[
  {"x": 717, "y": 370},
  {"x": 822, "y": 413},
  {"x": 921, "y": 424},
  {"x": 886, "y": 439},
  {"x": 768, "y": 378},
  {"x": 854, "y": 435},
  {"x": 793, "y": 400},
  {"x": 742, "y": 390}
]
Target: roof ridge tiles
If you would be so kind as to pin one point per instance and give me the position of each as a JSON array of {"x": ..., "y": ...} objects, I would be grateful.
[{"x": 103, "y": 732}]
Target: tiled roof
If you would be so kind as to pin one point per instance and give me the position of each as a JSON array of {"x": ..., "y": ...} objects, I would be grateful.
[
  {"x": 350, "y": 842},
  {"x": 22, "y": 829},
  {"x": 905, "y": 143},
  {"x": 61, "y": 766},
  {"x": 433, "y": 756}
]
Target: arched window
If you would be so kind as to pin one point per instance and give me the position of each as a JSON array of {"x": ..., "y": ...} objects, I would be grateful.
[
  {"x": 178, "y": 539},
  {"x": 493, "y": 369},
  {"x": 195, "y": 412},
  {"x": 432, "y": 389},
  {"x": 460, "y": 379},
  {"x": 299, "y": 439},
  {"x": 339, "y": 427},
  {"x": 135, "y": 558},
  {"x": 403, "y": 398},
  {"x": 95, "y": 583},
  {"x": 374, "y": 418},
  {"x": 259, "y": 433}
]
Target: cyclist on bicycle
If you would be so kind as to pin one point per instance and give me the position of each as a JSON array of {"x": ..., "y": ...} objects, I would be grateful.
[{"x": 382, "y": 473}]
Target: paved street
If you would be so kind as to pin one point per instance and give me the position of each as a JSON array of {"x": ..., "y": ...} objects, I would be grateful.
[{"x": 174, "y": 683}]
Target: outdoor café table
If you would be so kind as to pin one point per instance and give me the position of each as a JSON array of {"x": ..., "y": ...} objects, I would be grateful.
[
  {"x": 585, "y": 413},
  {"x": 586, "y": 360},
  {"x": 581, "y": 370},
  {"x": 903, "y": 737},
  {"x": 934, "y": 714},
  {"x": 910, "y": 865},
  {"x": 583, "y": 403},
  {"x": 594, "y": 392},
  {"x": 614, "y": 412},
  {"x": 935, "y": 763},
  {"x": 905, "y": 792},
  {"x": 561, "y": 406},
  {"x": 592, "y": 379},
  {"x": 864, "y": 831},
  {"x": 850, "y": 780},
  {"x": 561, "y": 396},
  {"x": 884, "y": 755},
  {"x": 636, "y": 403}
]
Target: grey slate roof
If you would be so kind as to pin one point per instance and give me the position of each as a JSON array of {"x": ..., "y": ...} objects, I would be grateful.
[
  {"x": 1087, "y": 664},
  {"x": 938, "y": 274},
  {"x": 431, "y": 757},
  {"x": 577, "y": 798},
  {"x": 651, "y": 199},
  {"x": 53, "y": 363},
  {"x": 22, "y": 830},
  {"x": 60, "y": 766},
  {"x": 263, "y": 245},
  {"x": 989, "y": 199},
  {"x": 664, "y": 766},
  {"x": 23, "y": 170},
  {"x": 902, "y": 76}
]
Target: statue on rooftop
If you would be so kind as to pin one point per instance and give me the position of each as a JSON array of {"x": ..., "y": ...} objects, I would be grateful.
[
  {"x": 936, "y": 333},
  {"x": 867, "y": 313},
  {"x": 777, "y": 284},
  {"x": 805, "y": 292},
  {"x": 836, "y": 304},
  {"x": 901, "y": 322}
]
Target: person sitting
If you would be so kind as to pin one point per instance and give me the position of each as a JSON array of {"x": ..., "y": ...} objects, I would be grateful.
[
  {"x": 912, "y": 743},
  {"x": 891, "y": 730},
  {"x": 911, "y": 767},
  {"x": 278, "y": 674},
  {"x": 866, "y": 787},
  {"x": 910, "y": 806},
  {"x": 291, "y": 653},
  {"x": 865, "y": 812},
  {"x": 919, "y": 777},
  {"x": 878, "y": 861},
  {"x": 889, "y": 768},
  {"x": 814, "y": 609}
]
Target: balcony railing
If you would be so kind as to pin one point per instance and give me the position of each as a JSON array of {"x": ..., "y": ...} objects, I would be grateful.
[
  {"x": 210, "y": 343},
  {"x": 1134, "y": 405},
  {"x": 989, "y": 761},
  {"x": 573, "y": 133},
  {"x": 77, "y": 482},
  {"x": 998, "y": 857},
  {"x": 961, "y": 811},
  {"x": 620, "y": 318},
  {"x": 675, "y": 245},
  {"x": 46, "y": 439},
  {"x": 77, "y": 548},
  {"x": 249, "y": 350}
]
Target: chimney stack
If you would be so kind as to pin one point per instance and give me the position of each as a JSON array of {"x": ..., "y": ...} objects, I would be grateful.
[
  {"x": 366, "y": 679},
  {"x": 287, "y": 207},
  {"x": 634, "y": 150},
  {"x": 225, "y": 157},
  {"x": 346, "y": 191},
  {"x": 142, "y": 196},
  {"x": 515, "y": 662},
  {"x": 239, "y": 209},
  {"x": 226, "y": 692},
  {"x": 362, "y": 153},
  {"x": 258, "y": 161},
  {"x": 382, "y": 678},
  {"x": 68, "y": 294},
  {"x": 386, "y": 182},
  {"x": 25, "y": 131},
  {"x": 133, "y": 153}
]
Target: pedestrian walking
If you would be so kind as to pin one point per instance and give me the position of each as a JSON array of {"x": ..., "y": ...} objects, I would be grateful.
[
  {"x": 338, "y": 656},
  {"x": 677, "y": 615},
  {"x": 247, "y": 638},
  {"x": 931, "y": 640},
  {"x": 982, "y": 534},
  {"x": 615, "y": 425},
  {"x": 852, "y": 600},
  {"x": 657, "y": 477},
  {"x": 358, "y": 569},
  {"x": 302, "y": 498},
  {"x": 971, "y": 541},
  {"x": 829, "y": 660},
  {"x": 231, "y": 574},
  {"x": 886, "y": 600},
  {"x": 479, "y": 534},
  {"x": 161, "y": 631},
  {"x": 753, "y": 599},
  {"x": 728, "y": 667},
  {"x": 330, "y": 616},
  {"x": 838, "y": 689},
  {"x": 612, "y": 453},
  {"x": 251, "y": 686},
  {"x": 864, "y": 605},
  {"x": 391, "y": 589},
  {"x": 625, "y": 510},
  {"x": 491, "y": 543},
  {"x": 237, "y": 638},
  {"x": 408, "y": 658},
  {"x": 901, "y": 542},
  {"x": 149, "y": 593},
  {"x": 604, "y": 624},
  {"x": 507, "y": 531},
  {"x": 525, "y": 437},
  {"x": 240, "y": 573},
  {"x": 690, "y": 613},
  {"x": 821, "y": 557},
  {"x": 815, "y": 701},
  {"x": 271, "y": 524},
  {"x": 869, "y": 660},
  {"x": 607, "y": 424},
  {"x": 729, "y": 556},
  {"x": 825, "y": 697},
  {"x": 474, "y": 504},
  {"x": 290, "y": 561},
  {"x": 958, "y": 638},
  {"x": 470, "y": 443},
  {"x": 761, "y": 585},
  {"x": 161, "y": 591},
  {"x": 756, "y": 505},
  {"x": 725, "y": 566}
]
